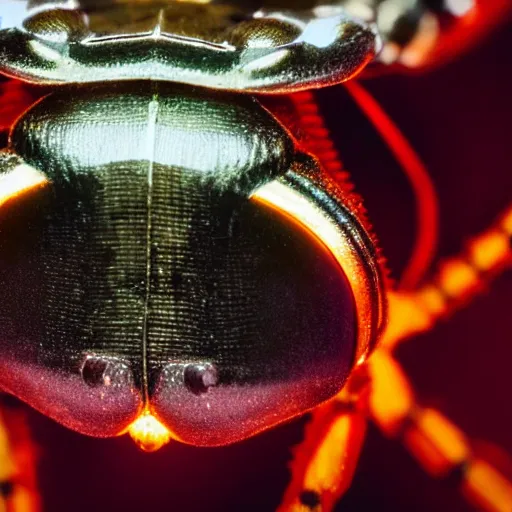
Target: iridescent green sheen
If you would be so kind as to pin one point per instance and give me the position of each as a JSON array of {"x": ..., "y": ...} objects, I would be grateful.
[{"x": 211, "y": 45}]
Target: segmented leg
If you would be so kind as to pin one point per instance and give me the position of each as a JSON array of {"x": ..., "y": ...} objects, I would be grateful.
[
  {"x": 18, "y": 491},
  {"x": 438, "y": 445},
  {"x": 325, "y": 461},
  {"x": 456, "y": 282}
]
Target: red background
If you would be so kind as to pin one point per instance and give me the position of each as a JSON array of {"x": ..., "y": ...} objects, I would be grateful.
[{"x": 458, "y": 118}]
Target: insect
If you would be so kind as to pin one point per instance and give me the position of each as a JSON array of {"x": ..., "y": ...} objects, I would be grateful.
[{"x": 149, "y": 261}]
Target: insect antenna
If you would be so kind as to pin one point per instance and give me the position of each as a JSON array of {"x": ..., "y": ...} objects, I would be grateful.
[{"x": 427, "y": 210}]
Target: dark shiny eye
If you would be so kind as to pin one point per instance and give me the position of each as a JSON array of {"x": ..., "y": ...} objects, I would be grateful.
[
  {"x": 107, "y": 372},
  {"x": 270, "y": 332},
  {"x": 245, "y": 327},
  {"x": 199, "y": 378},
  {"x": 93, "y": 372}
]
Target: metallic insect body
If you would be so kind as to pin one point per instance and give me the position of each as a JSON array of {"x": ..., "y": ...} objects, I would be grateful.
[{"x": 185, "y": 258}]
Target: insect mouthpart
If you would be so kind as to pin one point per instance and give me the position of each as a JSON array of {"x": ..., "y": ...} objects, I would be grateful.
[{"x": 148, "y": 433}]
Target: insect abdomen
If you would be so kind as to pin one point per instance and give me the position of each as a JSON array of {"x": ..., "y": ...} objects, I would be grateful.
[{"x": 148, "y": 265}]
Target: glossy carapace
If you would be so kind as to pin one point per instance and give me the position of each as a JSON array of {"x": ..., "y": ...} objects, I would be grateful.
[{"x": 170, "y": 250}]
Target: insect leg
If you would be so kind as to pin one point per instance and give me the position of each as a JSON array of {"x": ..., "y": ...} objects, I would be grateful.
[
  {"x": 325, "y": 461},
  {"x": 456, "y": 281},
  {"x": 18, "y": 490},
  {"x": 438, "y": 445}
]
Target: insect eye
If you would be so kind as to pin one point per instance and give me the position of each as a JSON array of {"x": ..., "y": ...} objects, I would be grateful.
[
  {"x": 106, "y": 372},
  {"x": 41, "y": 360},
  {"x": 279, "y": 333},
  {"x": 199, "y": 378}
]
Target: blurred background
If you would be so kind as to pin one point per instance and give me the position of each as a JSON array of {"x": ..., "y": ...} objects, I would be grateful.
[{"x": 458, "y": 118}]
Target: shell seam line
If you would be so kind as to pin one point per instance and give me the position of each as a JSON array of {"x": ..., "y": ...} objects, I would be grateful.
[{"x": 153, "y": 108}]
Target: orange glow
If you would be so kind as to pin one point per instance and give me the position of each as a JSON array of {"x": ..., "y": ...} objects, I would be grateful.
[
  {"x": 487, "y": 488},
  {"x": 489, "y": 250},
  {"x": 423, "y": 43},
  {"x": 148, "y": 433},
  {"x": 19, "y": 181},
  {"x": 288, "y": 201},
  {"x": 327, "y": 460},
  {"x": 427, "y": 210},
  {"x": 7, "y": 464},
  {"x": 391, "y": 398},
  {"x": 17, "y": 463},
  {"x": 456, "y": 282},
  {"x": 436, "y": 442},
  {"x": 457, "y": 278},
  {"x": 506, "y": 222},
  {"x": 406, "y": 317},
  {"x": 333, "y": 465},
  {"x": 433, "y": 299}
]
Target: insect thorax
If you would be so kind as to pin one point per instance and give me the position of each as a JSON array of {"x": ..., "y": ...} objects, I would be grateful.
[
  {"x": 147, "y": 250},
  {"x": 185, "y": 257}
]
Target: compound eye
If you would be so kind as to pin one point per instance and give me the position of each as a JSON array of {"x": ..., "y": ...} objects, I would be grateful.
[
  {"x": 280, "y": 334},
  {"x": 99, "y": 400},
  {"x": 199, "y": 378},
  {"x": 41, "y": 362}
]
